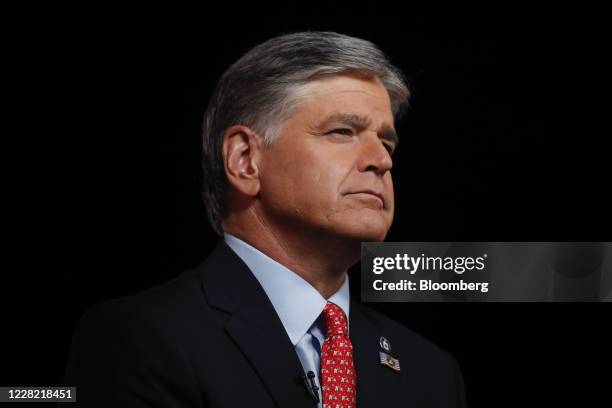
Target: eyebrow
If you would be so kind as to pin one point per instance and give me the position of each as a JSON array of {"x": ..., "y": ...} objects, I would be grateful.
[{"x": 361, "y": 122}]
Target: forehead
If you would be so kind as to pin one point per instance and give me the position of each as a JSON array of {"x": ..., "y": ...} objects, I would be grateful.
[{"x": 365, "y": 97}]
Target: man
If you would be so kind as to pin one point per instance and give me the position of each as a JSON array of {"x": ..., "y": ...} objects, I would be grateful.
[{"x": 297, "y": 145}]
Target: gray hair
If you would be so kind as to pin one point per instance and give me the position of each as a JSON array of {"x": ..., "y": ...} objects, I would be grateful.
[{"x": 262, "y": 89}]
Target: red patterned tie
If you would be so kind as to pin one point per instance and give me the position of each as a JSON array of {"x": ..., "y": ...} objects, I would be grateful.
[{"x": 338, "y": 377}]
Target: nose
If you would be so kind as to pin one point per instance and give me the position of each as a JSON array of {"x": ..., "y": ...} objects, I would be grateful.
[{"x": 374, "y": 156}]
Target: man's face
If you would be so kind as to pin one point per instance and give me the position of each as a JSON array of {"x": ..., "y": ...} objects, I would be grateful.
[{"x": 329, "y": 169}]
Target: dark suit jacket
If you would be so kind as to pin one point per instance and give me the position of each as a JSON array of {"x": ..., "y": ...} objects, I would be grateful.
[{"x": 211, "y": 338}]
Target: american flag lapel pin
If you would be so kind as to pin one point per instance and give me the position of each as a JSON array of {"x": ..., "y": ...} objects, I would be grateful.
[{"x": 391, "y": 362}]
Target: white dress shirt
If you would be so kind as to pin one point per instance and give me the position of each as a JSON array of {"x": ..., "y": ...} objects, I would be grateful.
[{"x": 298, "y": 304}]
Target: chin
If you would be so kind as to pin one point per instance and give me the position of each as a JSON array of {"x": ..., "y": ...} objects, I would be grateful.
[{"x": 372, "y": 229}]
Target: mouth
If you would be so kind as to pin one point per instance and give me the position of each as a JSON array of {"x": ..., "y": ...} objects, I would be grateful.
[{"x": 370, "y": 195}]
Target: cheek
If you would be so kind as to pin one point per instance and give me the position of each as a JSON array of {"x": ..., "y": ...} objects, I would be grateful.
[
  {"x": 316, "y": 181},
  {"x": 316, "y": 170},
  {"x": 301, "y": 183}
]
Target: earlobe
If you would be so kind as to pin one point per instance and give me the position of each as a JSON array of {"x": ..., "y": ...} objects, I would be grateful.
[{"x": 240, "y": 154}]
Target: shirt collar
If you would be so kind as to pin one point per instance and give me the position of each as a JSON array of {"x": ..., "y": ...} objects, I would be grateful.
[{"x": 297, "y": 303}]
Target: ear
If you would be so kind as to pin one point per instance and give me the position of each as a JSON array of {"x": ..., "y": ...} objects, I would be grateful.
[{"x": 240, "y": 149}]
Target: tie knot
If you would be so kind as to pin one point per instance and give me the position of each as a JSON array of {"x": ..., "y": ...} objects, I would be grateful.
[{"x": 335, "y": 320}]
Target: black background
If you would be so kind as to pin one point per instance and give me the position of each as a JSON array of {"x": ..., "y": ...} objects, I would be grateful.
[{"x": 504, "y": 142}]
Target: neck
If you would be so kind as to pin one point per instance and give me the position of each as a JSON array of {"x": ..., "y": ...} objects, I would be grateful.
[{"x": 320, "y": 260}]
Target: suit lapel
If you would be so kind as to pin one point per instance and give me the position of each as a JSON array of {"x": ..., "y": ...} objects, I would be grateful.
[
  {"x": 255, "y": 326},
  {"x": 377, "y": 386}
]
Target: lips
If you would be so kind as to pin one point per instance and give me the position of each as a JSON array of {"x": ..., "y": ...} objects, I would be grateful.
[{"x": 372, "y": 193}]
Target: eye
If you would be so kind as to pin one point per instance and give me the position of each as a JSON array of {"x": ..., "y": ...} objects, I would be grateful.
[
  {"x": 342, "y": 131},
  {"x": 390, "y": 148}
]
